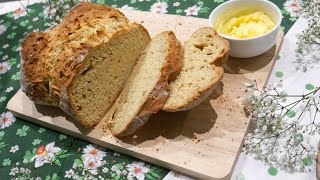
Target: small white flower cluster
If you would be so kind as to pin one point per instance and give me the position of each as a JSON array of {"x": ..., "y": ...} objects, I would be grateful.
[
  {"x": 23, "y": 172},
  {"x": 311, "y": 35},
  {"x": 308, "y": 56},
  {"x": 280, "y": 136},
  {"x": 118, "y": 171}
]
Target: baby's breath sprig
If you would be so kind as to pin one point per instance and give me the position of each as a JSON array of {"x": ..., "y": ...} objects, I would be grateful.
[
  {"x": 311, "y": 11},
  {"x": 279, "y": 136}
]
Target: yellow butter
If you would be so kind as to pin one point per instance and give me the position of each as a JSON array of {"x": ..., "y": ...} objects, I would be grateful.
[{"x": 245, "y": 24}]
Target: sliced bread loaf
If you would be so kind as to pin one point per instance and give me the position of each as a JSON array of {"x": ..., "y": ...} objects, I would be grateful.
[
  {"x": 82, "y": 64},
  {"x": 204, "y": 54},
  {"x": 102, "y": 74},
  {"x": 147, "y": 88}
]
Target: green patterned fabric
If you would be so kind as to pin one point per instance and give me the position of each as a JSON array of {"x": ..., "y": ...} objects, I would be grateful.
[{"x": 30, "y": 151}]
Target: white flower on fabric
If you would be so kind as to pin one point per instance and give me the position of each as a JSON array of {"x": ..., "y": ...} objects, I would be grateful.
[
  {"x": 75, "y": 166},
  {"x": 14, "y": 171},
  {"x": 126, "y": 7},
  {"x": 22, "y": 170},
  {"x": 293, "y": 7},
  {"x": 5, "y": 46},
  {"x": 27, "y": 171},
  {"x": 3, "y": 29},
  {"x": 69, "y": 173},
  {"x": 105, "y": 170},
  {"x": 5, "y": 57},
  {"x": 38, "y": 178},
  {"x": 192, "y": 10},
  {"x": 92, "y": 153},
  {"x": 9, "y": 89},
  {"x": 45, "y": 154},
  {"x": 14, "y": 149},
  {"x": 159, "y": 7},
  {"x": 114, "y": 168},
  {"x": 176, "y": 4},
  {"x": 124, "y": 172},
  {"x": 35, "y": 19},
  {"x": 6, "y": 120},
  {"x": 4, "y": 67},
  {"x": 92, "y": 166},
  {"x": 137, "y": 170},
  {"x": 76, "y": 176},
  {"x": 19, "y": 13},
  {"x": 118, "y": 172}
]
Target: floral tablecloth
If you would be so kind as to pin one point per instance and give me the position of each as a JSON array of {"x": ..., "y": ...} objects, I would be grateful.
[{"x": 29, "y": 151}]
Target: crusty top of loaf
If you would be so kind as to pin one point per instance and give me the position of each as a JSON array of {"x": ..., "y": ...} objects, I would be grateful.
[
  {"x": 33, "y": 76},
  {"x": 62, "y": 49}
]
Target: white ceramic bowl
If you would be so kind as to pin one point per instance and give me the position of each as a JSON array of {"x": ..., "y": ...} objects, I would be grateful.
[{"x": 249, "y": 47}]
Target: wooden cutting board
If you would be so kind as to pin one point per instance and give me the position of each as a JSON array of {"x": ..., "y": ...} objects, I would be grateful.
[{"x": 203, "y": 142}]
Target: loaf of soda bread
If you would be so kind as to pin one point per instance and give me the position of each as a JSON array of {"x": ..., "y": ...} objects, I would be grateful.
[{"x": 82, "y": 64}]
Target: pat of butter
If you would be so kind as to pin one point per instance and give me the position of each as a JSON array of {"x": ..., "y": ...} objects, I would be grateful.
[{"x": 245, "y": 24}]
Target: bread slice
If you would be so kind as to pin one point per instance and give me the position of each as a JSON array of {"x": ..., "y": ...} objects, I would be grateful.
[
  {"x": 147, "y": 89},
  {"x": 204, "y": 54},
  {"x": 103, "y": 72}
]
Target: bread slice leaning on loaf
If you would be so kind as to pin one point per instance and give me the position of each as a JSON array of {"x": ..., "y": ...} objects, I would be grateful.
[
  {"x": 204, "y": 54},
  {"x": 147, "y": 88}
]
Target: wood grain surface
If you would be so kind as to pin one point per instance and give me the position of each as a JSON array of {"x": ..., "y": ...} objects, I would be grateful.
[{"x": 203, "y": 142}]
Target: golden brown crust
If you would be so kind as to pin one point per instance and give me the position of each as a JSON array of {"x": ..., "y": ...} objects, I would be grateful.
[
  {"x": 49, "y": 58},
  {"x": 33, "y": 76},
  {"x": 158, "y": 96},
  {"x": 178, "y": 63},
  {"x": 203, "y": 93}
]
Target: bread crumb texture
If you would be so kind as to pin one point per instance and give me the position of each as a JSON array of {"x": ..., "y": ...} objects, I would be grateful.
[{"x": 204, "y": 54}]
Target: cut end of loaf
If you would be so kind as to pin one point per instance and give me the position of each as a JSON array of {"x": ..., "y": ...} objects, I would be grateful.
[
  {"x": 103, "y": 73},
  {"x": 204, "y": 54}
]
